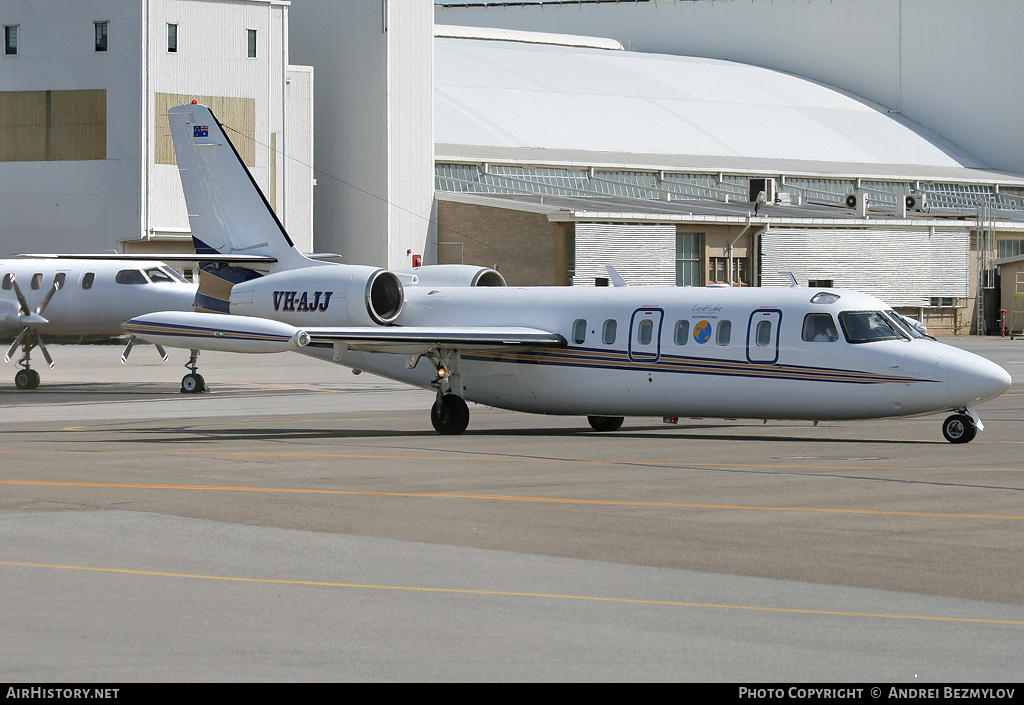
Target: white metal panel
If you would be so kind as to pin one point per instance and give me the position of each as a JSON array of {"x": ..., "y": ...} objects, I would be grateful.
[
  {"x": 517, "y": 95},
  {"x": 642, "y": 254},
  {"x": 902, "y": 267}
]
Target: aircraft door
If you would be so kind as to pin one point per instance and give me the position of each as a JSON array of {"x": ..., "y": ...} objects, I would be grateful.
[
  {"x": 645, "y": 335},
  {"x": 763, "y": 336}
]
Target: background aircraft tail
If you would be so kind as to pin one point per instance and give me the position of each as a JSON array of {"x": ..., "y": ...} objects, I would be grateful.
[{"x": 228, "y": 213}]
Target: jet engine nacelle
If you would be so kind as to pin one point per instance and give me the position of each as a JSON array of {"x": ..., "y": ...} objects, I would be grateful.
[
  {"x": 336, "y": 294},
  {"x": 440, "y": 275}
]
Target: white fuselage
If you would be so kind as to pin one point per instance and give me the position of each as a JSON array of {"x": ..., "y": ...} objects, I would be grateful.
[
  {"x": 686, "y": 366},
  {"x": 92, "y": 302}
]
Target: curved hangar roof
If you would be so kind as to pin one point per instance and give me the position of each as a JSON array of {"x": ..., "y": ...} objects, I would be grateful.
[{"x": 516, "y": 91}]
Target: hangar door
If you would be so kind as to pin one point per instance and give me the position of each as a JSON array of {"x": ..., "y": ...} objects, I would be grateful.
[{"x": 903, "y": 267}]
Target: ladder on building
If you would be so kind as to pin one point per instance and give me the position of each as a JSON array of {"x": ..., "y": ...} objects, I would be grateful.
[
  {"x": 986, "y": 251},
  {"x": 1016, "y": 327}
]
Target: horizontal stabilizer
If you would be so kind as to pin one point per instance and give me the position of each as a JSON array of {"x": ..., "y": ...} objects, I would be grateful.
[
  {"x": 236, "y": 259},
  {"x": 215, "y": 331}
]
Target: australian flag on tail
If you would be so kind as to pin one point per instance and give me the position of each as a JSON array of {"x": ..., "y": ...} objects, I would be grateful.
[{"x": 201, "y": 131}]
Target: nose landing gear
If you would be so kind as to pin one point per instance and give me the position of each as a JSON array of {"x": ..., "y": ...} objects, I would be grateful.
[
  {"x": 193, "y": 382},
  {"x": 959, "y": 428}
]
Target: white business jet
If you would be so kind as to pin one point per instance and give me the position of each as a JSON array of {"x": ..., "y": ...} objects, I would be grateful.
[
  {"x": 606, "y": 353},
  {"x": 77, "y": 301}
]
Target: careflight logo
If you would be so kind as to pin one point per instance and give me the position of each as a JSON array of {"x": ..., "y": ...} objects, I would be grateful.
[
  {"x": 702, "y": 332},
  {"x": 291, "y": 301}
]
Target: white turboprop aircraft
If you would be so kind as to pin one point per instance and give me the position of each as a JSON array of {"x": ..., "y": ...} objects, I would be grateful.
[
  {"x": 83, "y": 301},
  {"x": 601, "y": 352}
]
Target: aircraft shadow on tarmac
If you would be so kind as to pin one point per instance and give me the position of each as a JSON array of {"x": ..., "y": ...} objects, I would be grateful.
[{"x": 187, "y": 433}]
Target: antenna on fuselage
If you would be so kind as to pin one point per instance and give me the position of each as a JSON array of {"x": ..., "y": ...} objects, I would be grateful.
[{"x": 792, "y": 279}]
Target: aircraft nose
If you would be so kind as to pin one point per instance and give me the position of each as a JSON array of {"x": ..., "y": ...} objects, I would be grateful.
[{"x": 972, "y": 379}]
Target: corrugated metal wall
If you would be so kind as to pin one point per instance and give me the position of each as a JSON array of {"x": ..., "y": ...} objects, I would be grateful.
[
  {"x": 902, "y": 267},
  {"x": 642, "y": 254}
]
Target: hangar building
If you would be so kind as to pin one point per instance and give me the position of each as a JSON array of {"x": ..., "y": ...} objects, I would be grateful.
[
  {"x": 86, "y": 160},
  {"x": 652, "y": 162}
]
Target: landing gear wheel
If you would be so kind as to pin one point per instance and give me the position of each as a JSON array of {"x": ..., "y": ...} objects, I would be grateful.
[
  {"x": 605, "y": 423},
  {"x": 450, "y": 415},
  {"x": 193, "y": 384},
  {"x": 26, "y": 379},
  {"x": 959, "y": 428}
]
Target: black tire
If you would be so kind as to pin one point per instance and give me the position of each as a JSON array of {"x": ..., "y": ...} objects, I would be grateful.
[
  {"x": 26, "y": 379},
  {"x": 193, "y": 384},
  {"x": 605, "y": 423},
  {"x": 450, "y": 415},
  {"x": 959, "y": 428}
]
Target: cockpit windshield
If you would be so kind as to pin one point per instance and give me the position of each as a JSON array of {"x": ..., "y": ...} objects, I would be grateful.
[
  {"x": 905, "y": 325},
  {"x": 868, "y": 327},
  {"x": 158, "y": 275}
]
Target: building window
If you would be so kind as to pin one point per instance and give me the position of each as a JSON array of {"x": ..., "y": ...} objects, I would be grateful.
[
  {"x": 718, "y": 270},
  {"x": 820, "y": 283},
  {"x": 1009, "y": 248},
  {"x": 687, "y": 259},
  {"x": 10, "y": 40},
  {"x": 252, "y": 43},
  {"x": 172, "y": 38},
  {"x": 101, "y": 35}
]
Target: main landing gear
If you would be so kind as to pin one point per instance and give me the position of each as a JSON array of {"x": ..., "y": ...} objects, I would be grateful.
[
  {"x": 449, "y": 415},
  {"x": 605, "y": 423},
  {"x": 959, "y": 428},
  {"x": 193, "y": 382}
]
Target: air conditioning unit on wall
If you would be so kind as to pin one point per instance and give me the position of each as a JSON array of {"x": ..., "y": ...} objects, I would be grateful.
[
  {"x": 916, "y": 202},
  {"x": 859, "y": 202}
]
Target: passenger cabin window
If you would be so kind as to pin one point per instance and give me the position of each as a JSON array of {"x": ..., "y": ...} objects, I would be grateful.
[
  {"x": 867, "y": 327},
  {"x": 37, "y": 280},
  {"x": 130, "y": 276},
  {"x": 724, "y": 333},
  {"x": 645, "y": 332},
  {"x": 608, "y": 332},
  {"x": 87, "y": 279},
  {"x": 8, "y": 282},
  {"x": 682, "y": 332},
  {"x": 763, "y": 333},
  {"x": 579, "y": 330},
  {"x": 60, "y": 278},
  {"x": 819, "y": 328}
]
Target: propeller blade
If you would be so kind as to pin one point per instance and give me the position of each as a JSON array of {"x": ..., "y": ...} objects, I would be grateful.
[
  {"x": 163, "y": 353},
  {"x": 21, "y": 297},
  {"x": 49, "y": 295},
  {"x": 46, "y": 353},
  {"x": 127, "y": 349},
  {"x": 17, "y": 342}
]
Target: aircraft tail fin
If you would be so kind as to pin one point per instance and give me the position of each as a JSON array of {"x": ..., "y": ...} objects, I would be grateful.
[{"x": 227, "y": 211}]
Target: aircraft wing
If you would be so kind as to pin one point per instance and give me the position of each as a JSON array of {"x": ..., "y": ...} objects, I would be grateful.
[{"x": 414, "y": 340}]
